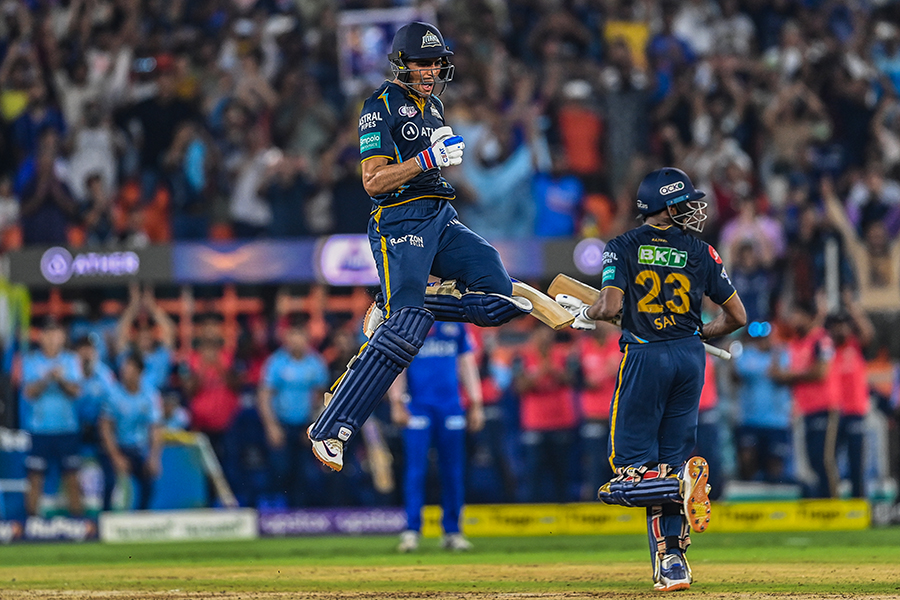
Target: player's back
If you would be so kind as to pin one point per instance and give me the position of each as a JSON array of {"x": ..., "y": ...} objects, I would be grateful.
[{"x": 663, "y": 273}]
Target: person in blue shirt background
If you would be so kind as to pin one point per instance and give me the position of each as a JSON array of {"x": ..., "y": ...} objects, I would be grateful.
[
  {"x": 130, "y": 433},
  {"x": 97, "y": 381},
  {"x": 51, "y": 384},
  {"x": 426, "y": 401},
  {"x": 292, "y": 378},
  {"x": 155, "y": 353},
  {"x": 764, "y": 430}
]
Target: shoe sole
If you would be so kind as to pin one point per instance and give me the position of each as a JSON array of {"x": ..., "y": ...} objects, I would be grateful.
[
  {"x": 675, "y": 587},
  {"x": 322, "y": 459},
  {"x": 696, "y": 500}
]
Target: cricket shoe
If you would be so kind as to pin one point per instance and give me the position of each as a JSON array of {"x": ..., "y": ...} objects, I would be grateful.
[
  {"x": 696, "y": 493},
  {"x": 409, "y": 541},
  {"x": 674, "y": 574},
  {"x": 456, "y": 542},
  {"x": 374, "y": 318},
  {"x": 330, "y": 452}
]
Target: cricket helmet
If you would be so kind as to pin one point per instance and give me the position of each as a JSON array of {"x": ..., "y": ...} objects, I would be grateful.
[
  {"x": 416, "y": 41},
  {"x": 671, "y": 187}
]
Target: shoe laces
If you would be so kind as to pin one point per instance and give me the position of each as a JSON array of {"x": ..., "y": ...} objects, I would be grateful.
[{"x": 336, "y": 446}]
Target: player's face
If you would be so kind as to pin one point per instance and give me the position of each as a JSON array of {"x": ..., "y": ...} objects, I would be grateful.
[
  {"x": 423, "y": 74},
  {"x": 295, "y": 340},
  {"x": 52, "y": 340}
]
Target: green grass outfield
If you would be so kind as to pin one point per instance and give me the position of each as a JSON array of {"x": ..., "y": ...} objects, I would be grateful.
[{"x": 851, "y": 564}]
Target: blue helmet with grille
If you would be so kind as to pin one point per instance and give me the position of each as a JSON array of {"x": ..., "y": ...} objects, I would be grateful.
[
  {"x": 420, "y": 41},
  {"x": 671, "y": 187}
]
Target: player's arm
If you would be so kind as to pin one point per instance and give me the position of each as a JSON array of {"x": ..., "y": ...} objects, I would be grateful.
[
  {"x": 732, "y": 317},
  {"x": 399, "y": 398},
  {"x": 607, "y": 306},
  {"x": 471, "y": 382},
  {"x": 108, "y": 441},
  {"x": 34, "y": 386},
  {"x": 379, "y": 177}
]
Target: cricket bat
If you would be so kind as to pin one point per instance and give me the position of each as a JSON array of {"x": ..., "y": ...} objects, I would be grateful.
[
  {"x": 563, "y": 284},
  {"x": 546, "y": 310}
]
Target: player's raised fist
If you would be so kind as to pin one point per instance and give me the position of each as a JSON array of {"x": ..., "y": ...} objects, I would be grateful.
[
  {"x": 444, "y": 153},
  {"x": 578, "y": 309}
]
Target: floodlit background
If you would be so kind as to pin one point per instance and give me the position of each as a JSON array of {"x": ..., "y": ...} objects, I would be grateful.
[{"x": 182, "y": 178}]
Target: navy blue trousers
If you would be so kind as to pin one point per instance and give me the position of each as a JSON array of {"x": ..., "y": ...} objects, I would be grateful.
[{"x": 424, "y": 237}]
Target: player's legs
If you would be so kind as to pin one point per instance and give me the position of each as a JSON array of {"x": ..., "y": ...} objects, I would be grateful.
[
  {"x": 450, "y": 434},
  {"x": 70, "y": 463},
  {"x": 36, "y": 465},
  {"x": 851, "y": 434},
  {"x": 467, "y": 257},
  {"x": 816, "y": 426},
  {"x": 417, "y": 443}
]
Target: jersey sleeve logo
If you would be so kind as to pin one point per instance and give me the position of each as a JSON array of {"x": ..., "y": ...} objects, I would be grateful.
[
  {"x": 407, "y": 111},
  {"x": 609, "y": 273},
  {"x": 662, "y": 257},
  {"x": 436, "y": 113},
  {"x": 715, "y": 255},
  {"x": 369, "y": 120},
  {"x": 370, "y": 141}
]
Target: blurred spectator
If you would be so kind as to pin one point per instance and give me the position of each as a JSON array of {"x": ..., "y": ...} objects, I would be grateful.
[
  {"x": 130, "y": 425},
  {"x": 20, "y": 69},
  {"x": 764, "y": 233},
  {"x": 758, "y": 284},
  {"x": 250, "y": 213},
  {"x": 558, "y": 198},
  {"x": 174, "y": 416},
  {"x": 581, "y": 131},
  {"x": 210, "y": 384},
  {"x": 294, "y": 378},
  {"x": 156, "y": 353},
  {"x": 285, "y": 188},
  {"x": 9, "y": 205},
  {"x": 93, "y": 154},
  {"x": 51, "y": 385},
  {"x": 97, "y": 380},
  {"x": 815, "y": 396},
  {"x": 764, "y": 417},
  {"x": 152, "y": 124},
  {"x": 851, "y": 332},
  {"x": 40, "y": 115},
  {"x": 547, "y": 409},
  {"x": 600, "y": 361},
  {"x": 97, "y": 219},
  {"x": 47, "y": 207},
  {"x": 876, "y": 261},
  {"x": 190, "y": 164}
]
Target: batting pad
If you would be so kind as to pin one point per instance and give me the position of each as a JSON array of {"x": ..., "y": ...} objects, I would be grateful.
[
  {"x": 369, "y": 375},
  {"x": 642, "y": 487},
  {"x": 484, "y": 310}
]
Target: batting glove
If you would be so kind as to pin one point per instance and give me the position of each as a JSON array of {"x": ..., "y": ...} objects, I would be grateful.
[
  {"x": 444, "y": 153},
  {"x": 578, "y": 309},
  {"x": 441, "y": 133}
]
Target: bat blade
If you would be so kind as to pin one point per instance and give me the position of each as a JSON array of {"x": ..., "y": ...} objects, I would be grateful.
[
  {"x": 563, "y": 284},
  {"x": 546, "y": 310}
]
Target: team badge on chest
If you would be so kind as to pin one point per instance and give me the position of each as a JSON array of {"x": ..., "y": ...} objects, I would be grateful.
[{"x": 407, "y": 111}]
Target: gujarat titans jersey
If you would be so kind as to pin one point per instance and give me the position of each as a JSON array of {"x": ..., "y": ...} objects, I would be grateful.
[
  {"x": 397, "y": 125},
  {"x": 664, "y": 273}
]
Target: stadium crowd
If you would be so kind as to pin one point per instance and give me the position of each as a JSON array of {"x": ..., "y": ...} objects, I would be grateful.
[{"x": 130, "y": 122}]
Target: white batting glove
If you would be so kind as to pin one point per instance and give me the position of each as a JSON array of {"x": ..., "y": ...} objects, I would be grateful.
[
  {"x": 578, "y": 309},
  {"x": 444, "y": 153},
  {"x": 441, "y": 133}
]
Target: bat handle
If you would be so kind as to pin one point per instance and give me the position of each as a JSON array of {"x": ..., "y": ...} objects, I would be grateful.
[{"x": 723, "y": 354}]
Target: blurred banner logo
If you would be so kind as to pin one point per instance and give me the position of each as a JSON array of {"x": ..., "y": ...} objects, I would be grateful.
[
  {"x": 347, "y": 260},
  {"x": 58, "y": 265},
  {"x": 588, "y": 256}
]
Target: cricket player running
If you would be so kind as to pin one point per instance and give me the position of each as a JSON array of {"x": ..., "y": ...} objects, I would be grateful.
[
  {"x": 414, "y": 232},
  {"x": 654, "y": 278}
]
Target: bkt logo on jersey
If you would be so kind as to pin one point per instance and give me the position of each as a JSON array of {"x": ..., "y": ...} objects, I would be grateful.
[
  {"x": 671, "y": 188},
  {"x": 662, "y": 257}
]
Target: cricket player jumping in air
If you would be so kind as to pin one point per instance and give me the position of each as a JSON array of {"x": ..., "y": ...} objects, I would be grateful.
[
  {"x": 414, "y": 232},
  {"x": 662, "y": 273}
]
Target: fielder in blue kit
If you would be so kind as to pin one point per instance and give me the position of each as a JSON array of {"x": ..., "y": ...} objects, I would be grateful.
[
  {"x": 414, "y": 232},
  {"x": 654, "y": 279},
  {"x": 427, "y": 402}
]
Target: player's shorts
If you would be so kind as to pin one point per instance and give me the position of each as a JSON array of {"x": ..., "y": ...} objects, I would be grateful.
[{"x": 61, "y": 449}]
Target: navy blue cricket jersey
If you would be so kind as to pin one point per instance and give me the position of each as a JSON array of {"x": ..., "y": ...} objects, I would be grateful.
[
  {"x": 664, "y": 273},
  {"x": 397, "y": 124}
]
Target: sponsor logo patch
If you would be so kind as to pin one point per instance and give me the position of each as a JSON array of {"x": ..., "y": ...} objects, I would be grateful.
[
  {"x": 370, "y": 141},
  {"x": 609, "y": 258},
  {"x": 430, "y": 40},
  {"x": 436, "y": 113},
  {"x": 413, "y": 240},
  {"x": 609, "y": 273},
  {"x": 662, "y": 257},
  {"x": 671, "y": 188},
  {"x": 410, "y": 131},
  {"x": 344, "y": 434},
  {"x": 725, "y": 276},
  {"x": 715, "y": 255},
  {"x": 407, "y": 111},
  {"x": 369, "y": 120}
]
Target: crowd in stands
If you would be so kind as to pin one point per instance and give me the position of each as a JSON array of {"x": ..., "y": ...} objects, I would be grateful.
[{"x": 129, "y": 121}]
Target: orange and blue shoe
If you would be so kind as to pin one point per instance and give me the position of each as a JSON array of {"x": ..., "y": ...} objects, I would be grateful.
[{"x": 695, "y": 492}]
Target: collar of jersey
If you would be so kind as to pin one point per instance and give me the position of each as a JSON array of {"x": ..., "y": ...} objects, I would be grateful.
[
  {"x": 658, "y": 227},
  {"x": 412, "y": 96}
]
